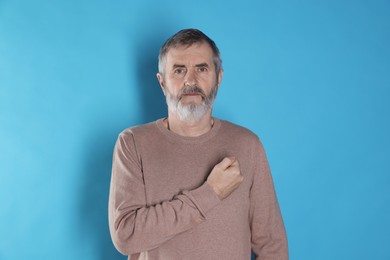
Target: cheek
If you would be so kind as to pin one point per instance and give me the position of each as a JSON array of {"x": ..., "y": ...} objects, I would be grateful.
[
  {"x": 174, "y": 86},
  {"x": 209, "y": 78},
  {"x": 210, "y": 82}
]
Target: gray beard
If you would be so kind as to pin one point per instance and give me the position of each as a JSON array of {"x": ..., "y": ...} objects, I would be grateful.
[{"x": 191, "y": 112}]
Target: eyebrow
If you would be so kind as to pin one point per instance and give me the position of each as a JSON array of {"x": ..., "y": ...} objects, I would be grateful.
[
  {"x": 178, "y": 66},
  {"x": 202, "y": 65},
  {"x": 197, "y": 65}
]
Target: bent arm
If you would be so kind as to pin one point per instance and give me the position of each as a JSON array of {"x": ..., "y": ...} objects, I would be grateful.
[{"x": 136, "y": 227}]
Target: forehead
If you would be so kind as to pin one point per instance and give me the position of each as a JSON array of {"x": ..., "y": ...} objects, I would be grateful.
[{"x": 190, "y": 55}]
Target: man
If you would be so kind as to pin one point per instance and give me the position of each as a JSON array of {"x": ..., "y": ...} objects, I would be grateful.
[{"x": 191, "y": 186}]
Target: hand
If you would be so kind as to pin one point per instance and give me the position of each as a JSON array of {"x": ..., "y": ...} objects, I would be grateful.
[{"x": 225, "y": 177}]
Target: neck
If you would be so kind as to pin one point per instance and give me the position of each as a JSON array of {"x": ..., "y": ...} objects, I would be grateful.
[{"x": 192, "y": 129}]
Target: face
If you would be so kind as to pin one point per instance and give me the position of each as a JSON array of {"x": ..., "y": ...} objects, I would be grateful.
[{"x": 189, "y": 81}]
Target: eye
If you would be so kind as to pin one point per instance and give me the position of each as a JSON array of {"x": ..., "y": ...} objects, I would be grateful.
[
  {"x": 203, "y": 69},
  {"x": 179, "y": 71}
]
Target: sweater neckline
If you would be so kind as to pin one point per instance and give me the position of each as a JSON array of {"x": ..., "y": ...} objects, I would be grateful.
[{"x": 188, "y": 139}]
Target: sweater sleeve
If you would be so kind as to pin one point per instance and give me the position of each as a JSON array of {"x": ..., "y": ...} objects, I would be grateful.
[
  {"x": 269, "y": 239},
  {"x": 135, "y": 226}
]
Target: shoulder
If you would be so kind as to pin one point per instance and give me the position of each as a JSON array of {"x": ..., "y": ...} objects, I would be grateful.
[
  {"x": 143, "y": 130},
  {"x": 237, "y": 131},
  {"x": 132, "y": 139},
  {"x": 140, "y": 135},
  {"x": 241, "y": 136},
  {"x": 139, "y": 129}
]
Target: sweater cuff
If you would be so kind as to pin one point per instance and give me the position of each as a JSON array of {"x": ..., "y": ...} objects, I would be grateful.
[{"x": 205, "y": 198}]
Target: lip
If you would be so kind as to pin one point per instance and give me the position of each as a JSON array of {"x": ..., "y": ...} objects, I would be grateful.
[{"x": 192, "y": 94}]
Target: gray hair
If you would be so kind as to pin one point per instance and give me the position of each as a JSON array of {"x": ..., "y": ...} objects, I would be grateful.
[{"x": 187, "y": 37}]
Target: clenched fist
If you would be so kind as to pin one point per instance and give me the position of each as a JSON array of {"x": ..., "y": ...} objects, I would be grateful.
[{"x": 225, "y": 177}]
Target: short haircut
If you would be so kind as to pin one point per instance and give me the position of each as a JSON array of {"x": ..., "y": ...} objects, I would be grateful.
[{"x": 187, "y": 37}]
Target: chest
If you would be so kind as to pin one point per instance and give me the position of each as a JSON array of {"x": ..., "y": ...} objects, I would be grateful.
[{"x": 173, "y": 168}]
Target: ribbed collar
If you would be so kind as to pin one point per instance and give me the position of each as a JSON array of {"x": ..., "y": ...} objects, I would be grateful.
[{"x": 176, "y": 138}]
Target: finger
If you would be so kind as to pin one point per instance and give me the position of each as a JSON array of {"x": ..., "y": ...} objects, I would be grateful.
[
  {"x": 235, "y": 164},
  {"x": 232, "y": 159},
  {"x": 226, "y": 162}
]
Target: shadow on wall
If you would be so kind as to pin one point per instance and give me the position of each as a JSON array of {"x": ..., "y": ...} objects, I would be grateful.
[
  {"x": 97, "y": 171},
  {"x": 95, "y": 191},
  {"x": 151, "y": 95}
]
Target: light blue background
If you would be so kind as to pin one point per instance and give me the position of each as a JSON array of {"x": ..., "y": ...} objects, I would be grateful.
[{"x": 311, "y": 78}]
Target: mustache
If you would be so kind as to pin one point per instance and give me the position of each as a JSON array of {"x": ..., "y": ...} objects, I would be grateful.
[{"x": 191, "y": 90}]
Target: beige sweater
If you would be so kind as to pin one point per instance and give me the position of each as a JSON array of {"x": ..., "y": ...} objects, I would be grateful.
[{"x": 161, "y": 208}]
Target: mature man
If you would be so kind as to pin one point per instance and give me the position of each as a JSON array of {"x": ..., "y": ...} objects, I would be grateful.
[{"x": 191, "y": 186}]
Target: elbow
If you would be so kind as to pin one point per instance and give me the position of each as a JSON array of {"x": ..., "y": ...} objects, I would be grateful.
[
  {"x": 128, "y": 242},
  {"x": 122, "y": 237},
  {"x": 123, "y": 242},
  {"x": 128, "y": 237},
  {"x": 121, "y": 245}
]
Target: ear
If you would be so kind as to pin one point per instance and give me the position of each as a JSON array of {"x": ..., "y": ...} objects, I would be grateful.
[
  {"x": 220, "y": 75},
  {"x": 160, "y": 79}
]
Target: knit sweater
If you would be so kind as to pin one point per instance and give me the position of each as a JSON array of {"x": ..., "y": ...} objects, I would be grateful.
[{"x": 160, "y": 206}]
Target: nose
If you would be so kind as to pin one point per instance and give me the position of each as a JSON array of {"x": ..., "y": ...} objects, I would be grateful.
[{"x": 190, "y": 78}]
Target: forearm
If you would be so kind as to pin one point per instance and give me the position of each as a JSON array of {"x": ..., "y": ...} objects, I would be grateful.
[{"x": 137, "y": 228}]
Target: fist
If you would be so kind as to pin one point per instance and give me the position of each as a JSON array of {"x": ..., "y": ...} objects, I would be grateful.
[{"x": 225, "y": 177}]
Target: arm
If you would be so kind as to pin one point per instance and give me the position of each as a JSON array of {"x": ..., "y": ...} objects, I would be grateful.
[
  {"x": 136, "y": 227},
  {"x": 269, "y": 239}
]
